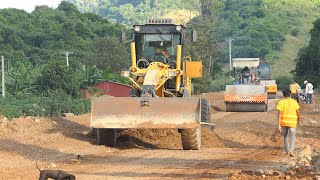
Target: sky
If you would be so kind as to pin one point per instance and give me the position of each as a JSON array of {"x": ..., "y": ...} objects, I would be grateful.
[{"x": 28, "y": 5}]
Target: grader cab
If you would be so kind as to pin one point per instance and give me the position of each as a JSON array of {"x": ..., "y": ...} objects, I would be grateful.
[{"x": 161, "y": 75}]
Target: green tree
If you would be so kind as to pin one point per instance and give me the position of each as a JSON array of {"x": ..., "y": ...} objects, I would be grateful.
[
  {"x": 57, "y": 76},
  {"x": 308, "y": 61},
  {"x": 21, "y": 78},
  {"x": 206, "y": 47},
  {"x": 109, "y": 52}
]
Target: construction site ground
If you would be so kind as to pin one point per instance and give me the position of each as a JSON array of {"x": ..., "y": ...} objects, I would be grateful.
[{"x": 243, "y": 145}]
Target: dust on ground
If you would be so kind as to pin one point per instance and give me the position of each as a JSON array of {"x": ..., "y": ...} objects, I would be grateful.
[{"x": 244, "y": 145}]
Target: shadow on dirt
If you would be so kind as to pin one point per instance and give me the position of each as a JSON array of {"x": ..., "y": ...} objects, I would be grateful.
[
  {"x": 127, "y": 142},
  {"x": 81, "y": 132},
  {"x": 33, "y": 152},
  {"x": 71, "y": 129},
  {"x": 216, "y": 108}
]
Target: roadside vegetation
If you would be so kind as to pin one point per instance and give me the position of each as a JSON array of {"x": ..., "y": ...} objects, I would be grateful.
[{"x": 38, "y": 81}]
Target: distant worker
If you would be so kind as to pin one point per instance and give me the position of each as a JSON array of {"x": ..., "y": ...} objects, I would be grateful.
[
  {"x": 245, "y": 73},
  {"x": 295, "y": 89},
  {"x": 288, "y": 118},
  {"x": 309, "y": 91}
]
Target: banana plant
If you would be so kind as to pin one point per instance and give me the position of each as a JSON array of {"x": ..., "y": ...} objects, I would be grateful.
[
  {"x": 89, "y": 76},
  {"x": 20, "y": 77}
]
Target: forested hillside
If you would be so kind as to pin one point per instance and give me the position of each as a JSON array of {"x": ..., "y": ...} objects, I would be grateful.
[
  {"x": 131, "y": 12},
  {"x": 34, "y": 46},
  {"x": 308, "y": 61},
  {"x": 273, "y": 30}
]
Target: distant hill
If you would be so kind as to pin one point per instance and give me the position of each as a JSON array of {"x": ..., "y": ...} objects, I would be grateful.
[{"x": 273, "y": 30}]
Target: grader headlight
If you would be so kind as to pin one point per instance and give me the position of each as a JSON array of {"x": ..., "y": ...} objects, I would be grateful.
[
  {"x": 137, "y": 28},
  {"x": 172, "y": 73},
  {"x": 178, "y": 28},
  {"x": 133, "y": 69}
]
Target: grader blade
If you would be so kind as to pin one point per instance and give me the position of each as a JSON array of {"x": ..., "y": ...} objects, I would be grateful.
[
  {"x": 246, "y": 98},
  {"x": 145, "y": 112}
]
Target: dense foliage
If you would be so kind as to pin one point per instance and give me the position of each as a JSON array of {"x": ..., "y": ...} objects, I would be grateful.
[
  {"x": 54, "y": 104},
  {"x": 254, "y": 33},
  {"x": 258, "y": 27},
  {"x": 46, "y": 34},
  {"x": 34, "y": 45},
  {"x": 206, "y": 47},
  {"x": 308, "y": 61},
  {"x": 131, "y": 12}
]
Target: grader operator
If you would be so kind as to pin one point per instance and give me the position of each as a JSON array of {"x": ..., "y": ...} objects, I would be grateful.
[{"x": 161, "y": 75}]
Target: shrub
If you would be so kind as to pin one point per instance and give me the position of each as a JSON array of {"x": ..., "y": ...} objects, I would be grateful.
[
  {"x": 283, "y": 82},
  {"x": 213, "y": 85},
  {"x": 55, "y": 104},
  {"x": 295, "y": 32}
]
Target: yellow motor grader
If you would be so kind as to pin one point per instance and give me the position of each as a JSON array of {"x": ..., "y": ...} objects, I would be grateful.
[{"x": 161, "y": 97}]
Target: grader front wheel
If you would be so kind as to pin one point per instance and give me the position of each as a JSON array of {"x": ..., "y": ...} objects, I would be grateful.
[{"x": 191, "y": 138}]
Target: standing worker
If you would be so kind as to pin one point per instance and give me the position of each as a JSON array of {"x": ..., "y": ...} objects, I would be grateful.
[
  {"x": 295, "y": 89},
  {"x": 309, "y": 91},
  {"x": 288, "y": 118},
  {"x": 245, "y": 74}
]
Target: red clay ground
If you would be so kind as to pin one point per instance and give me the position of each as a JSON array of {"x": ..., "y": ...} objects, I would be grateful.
[{"x": 242, "y": 146}]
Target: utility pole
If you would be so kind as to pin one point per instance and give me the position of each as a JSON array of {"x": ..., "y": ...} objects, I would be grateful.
[
  {"x": 230, "y": 57},
  {"x": 2, "y": 70},
  {"x": 230, "y": 64},
  {"x": 67, "y": 56}
]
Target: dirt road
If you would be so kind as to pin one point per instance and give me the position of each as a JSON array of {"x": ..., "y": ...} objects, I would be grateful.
[{"x": 246, "y": 142}]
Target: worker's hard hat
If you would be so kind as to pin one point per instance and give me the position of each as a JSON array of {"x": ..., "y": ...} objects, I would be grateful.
[{"x": 305, "y": 82}]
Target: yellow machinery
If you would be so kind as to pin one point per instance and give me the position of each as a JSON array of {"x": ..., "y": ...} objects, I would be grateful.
[
  {"x": 265, "y": 79},
  {"x": 161, "y": 97}
]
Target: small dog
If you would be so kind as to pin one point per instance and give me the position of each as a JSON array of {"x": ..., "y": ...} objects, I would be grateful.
[{"x": 54, "y": 174}]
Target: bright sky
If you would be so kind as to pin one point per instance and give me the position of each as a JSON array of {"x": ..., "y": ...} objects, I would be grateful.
[{"x": 28, "y": 5}]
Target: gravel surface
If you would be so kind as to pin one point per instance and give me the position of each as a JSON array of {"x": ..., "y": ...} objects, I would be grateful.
[{"x": 242, "y": 145}]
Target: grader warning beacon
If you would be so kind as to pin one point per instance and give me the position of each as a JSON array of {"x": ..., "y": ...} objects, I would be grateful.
[{"x": 161, "y": 75}]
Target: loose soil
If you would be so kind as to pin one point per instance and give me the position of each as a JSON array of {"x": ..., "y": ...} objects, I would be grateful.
[{"x": 243, "y": 145}]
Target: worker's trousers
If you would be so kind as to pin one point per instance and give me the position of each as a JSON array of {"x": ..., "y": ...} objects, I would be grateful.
[
  {"x": 285, "y": 132},
  {"x": 295, "y": 97},
  {"x": 245, "y": 80},
  {"x": 309, "y": 98}
]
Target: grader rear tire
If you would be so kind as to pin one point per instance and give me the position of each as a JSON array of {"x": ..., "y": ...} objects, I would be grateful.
[{"x": 106, "y": 136}]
